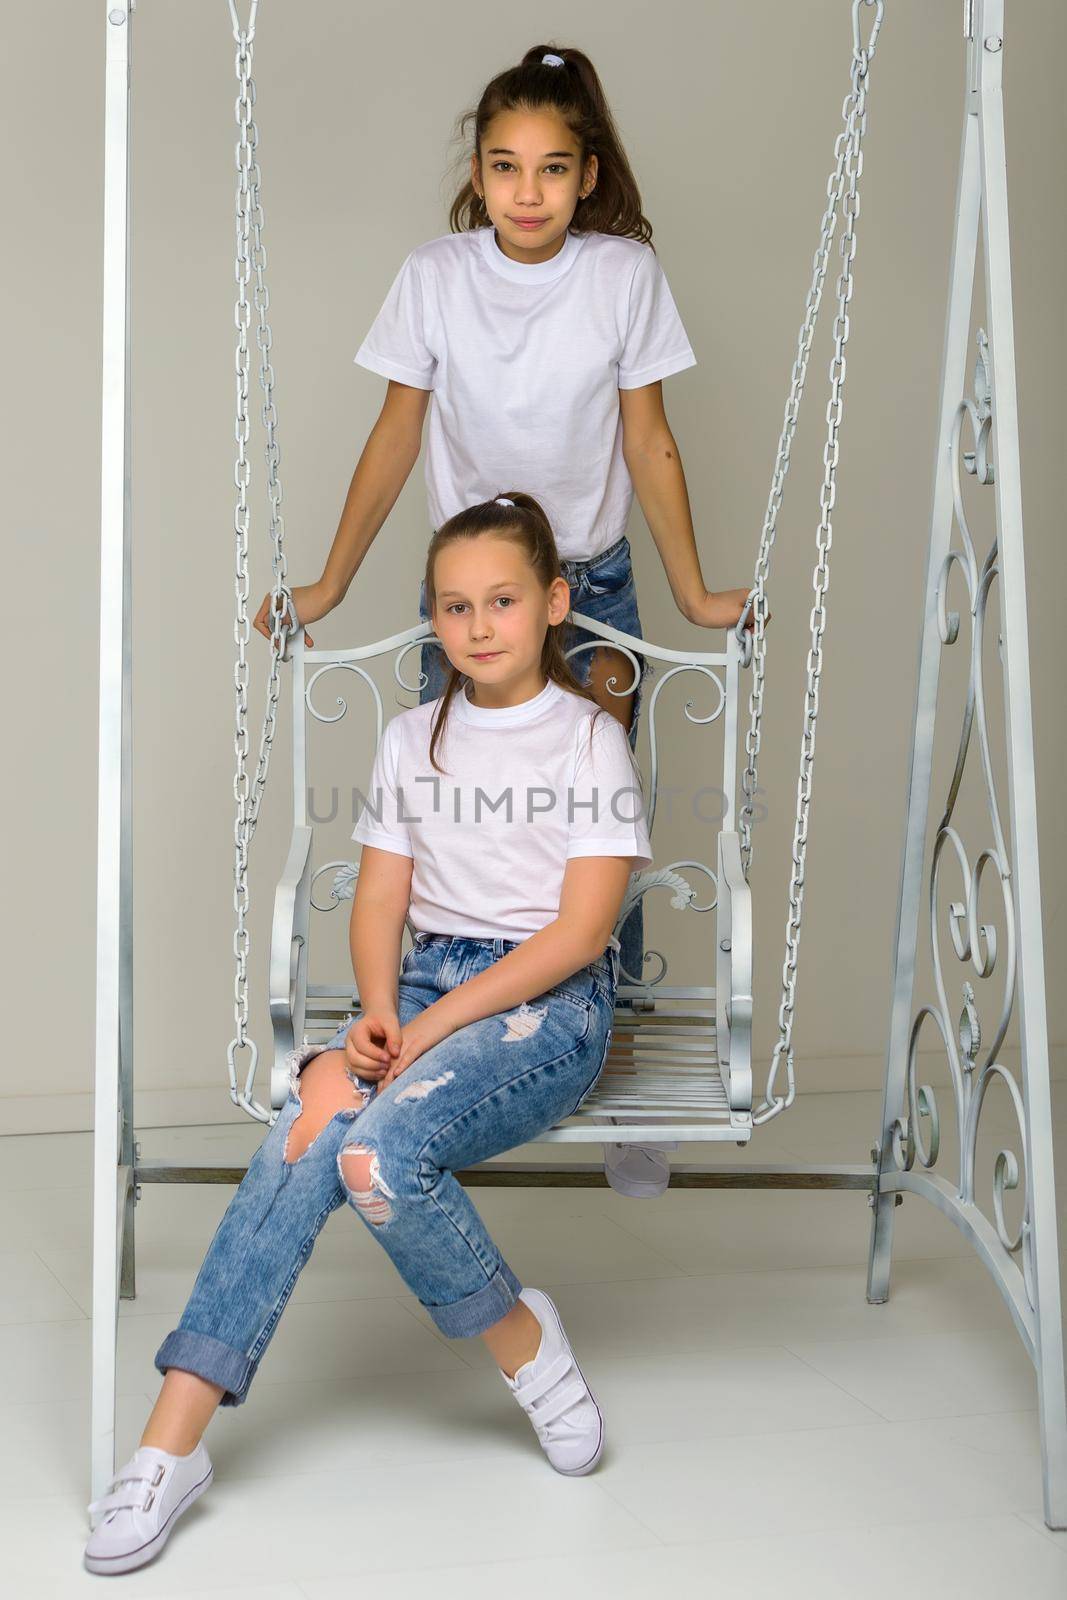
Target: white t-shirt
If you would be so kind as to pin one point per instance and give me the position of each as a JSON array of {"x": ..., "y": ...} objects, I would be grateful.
[
  {"x": 524, "y": 789},
  {"x": 525, "y": 362}
]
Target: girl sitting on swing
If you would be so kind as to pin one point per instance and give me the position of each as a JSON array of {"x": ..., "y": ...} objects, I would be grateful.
[{"x": 504, "y": 820}]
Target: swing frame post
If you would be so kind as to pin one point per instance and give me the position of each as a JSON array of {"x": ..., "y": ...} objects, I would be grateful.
[
  {"x": 114, "y": 1153},
  {"x": 1030, "y": 1287},
  {"x": 119, "y": 1170}
]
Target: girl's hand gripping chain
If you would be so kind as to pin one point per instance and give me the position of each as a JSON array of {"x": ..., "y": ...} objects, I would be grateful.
[{"x": 722, "y": 608}]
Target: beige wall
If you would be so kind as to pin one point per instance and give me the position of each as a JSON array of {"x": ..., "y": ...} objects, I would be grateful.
[{"x": 729, "y": 112}]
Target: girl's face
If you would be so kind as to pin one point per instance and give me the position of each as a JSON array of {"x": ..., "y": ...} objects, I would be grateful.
[
  {"x": 491, "y": 614},
  {"x": 530, "y": 175}
]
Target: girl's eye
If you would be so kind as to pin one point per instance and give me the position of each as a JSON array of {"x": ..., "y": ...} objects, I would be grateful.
[
  {"x": 458, "y": 604},
  {"x": 555, "y": 167}
]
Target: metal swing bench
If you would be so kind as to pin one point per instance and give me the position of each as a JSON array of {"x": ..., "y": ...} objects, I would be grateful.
[{"x": 680, "y": 1066}]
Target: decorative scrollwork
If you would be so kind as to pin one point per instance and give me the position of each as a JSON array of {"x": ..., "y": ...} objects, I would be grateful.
[
  {"x": 623, "y": 650},
  {"x": 343, "y": 886},
  {"x": 415, "y": 644},
  {"x": 682, "y": 899},
  {"x": 653, "y": 739},
  {"x": 615, "y": 643},
  {"x": 922, "y": 1102},
  {"x": 972, "y": 1059},
  {"x": 970, "y": 1031},
  {"x": 343, "y": 666},
  {"x": 907, "y": 1142},
  {"x": 684, "y": 895}
]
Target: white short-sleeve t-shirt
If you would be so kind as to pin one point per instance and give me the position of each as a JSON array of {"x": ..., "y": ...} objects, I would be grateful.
[
  {"x": 525, "y": 362},
  {"x": 525, "y": 788}
]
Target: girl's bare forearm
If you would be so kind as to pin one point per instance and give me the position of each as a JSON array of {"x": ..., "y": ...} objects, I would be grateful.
[
  {"x": 659, "y": 483},
  {"x": 375, "y": 935},
  {"x": 381, "y": 472}
]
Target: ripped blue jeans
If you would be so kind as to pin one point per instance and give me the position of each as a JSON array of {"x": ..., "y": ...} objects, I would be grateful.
[{"x": 494, "y": 1084}]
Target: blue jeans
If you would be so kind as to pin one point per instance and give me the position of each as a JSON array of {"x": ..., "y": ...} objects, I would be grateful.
[
  {"x": 494, "y": 1084},
  {"x": 603, "y": 588}
]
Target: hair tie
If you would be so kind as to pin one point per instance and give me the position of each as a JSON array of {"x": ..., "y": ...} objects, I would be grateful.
[
  {"x": 502, "y": 500},
  {"x": 552, "y": 61}
]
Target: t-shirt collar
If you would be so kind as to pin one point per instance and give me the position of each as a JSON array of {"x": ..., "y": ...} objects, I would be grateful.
[
  {"x": 505, "y": 716},
  {"x": 529, "y": 271}
]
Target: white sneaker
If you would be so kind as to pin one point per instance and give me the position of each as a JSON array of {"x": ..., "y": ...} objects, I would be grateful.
[
  {"x": 639, "y": 1170},
  {"x": 145, "y": 1500},
  {"x": 556, "y": 1397}
]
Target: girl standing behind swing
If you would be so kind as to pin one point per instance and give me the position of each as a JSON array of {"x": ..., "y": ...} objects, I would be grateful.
[
  {"x": 543, "y": 326},
  {"x": 505, "y": 1002}
]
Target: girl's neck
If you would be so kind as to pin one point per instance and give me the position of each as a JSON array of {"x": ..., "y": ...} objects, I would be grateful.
[
  {"x": 501, "y": 697},
  {"x": 533, "y": 257}
]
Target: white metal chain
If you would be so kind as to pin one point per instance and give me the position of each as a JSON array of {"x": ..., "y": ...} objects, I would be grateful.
[
  {"x": 843, "y": 193},
  {"x": 251, "y": 258}
]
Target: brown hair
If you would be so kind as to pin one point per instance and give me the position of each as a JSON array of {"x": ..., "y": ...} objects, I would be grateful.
[
  {"x": 575, "y": 92},
  {"x": 526, "y": 525}
]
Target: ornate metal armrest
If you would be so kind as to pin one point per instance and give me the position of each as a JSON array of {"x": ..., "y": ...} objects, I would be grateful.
[
  {"x": 682, "y": 895},
  {"x": 733, "y": 974},
  {"x": 288, "y": 959}
]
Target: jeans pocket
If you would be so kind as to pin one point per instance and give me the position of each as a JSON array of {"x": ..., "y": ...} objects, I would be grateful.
[
  {"x": 606, "y": 971},
  {"x": 609, "y": 576},
  {"x": 580, "y": 988}
]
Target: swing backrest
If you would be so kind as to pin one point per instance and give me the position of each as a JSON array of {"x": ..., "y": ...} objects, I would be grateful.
[{"x": 689, "y": 802}]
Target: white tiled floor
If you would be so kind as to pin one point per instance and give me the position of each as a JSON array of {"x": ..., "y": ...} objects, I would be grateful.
[{"x": 768, "y": 1431}]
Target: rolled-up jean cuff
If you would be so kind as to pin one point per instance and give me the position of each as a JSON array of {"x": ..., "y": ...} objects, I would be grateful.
[
  {"x": 464, "y": 1318},
  {"x": 210, "y": 1359}
]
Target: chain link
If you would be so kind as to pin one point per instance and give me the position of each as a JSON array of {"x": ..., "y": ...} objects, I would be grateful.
[
  {"x": 843, "y": 195},
  {"x": 251, "y": 259}
]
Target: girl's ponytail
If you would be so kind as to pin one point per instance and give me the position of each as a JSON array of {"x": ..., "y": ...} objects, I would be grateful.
[{"x": 574, "y": 91}]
